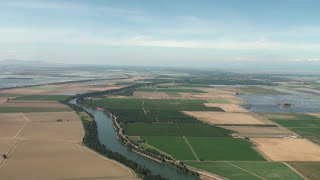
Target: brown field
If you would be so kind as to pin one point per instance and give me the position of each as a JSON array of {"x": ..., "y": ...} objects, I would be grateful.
[
  {"x": 224, "y": 117},
  {"x": 52, "y": 116},
  {"x": 284, "y": 149},
  {"x": 45, "y": 104},
  {"x": 40, "y": 160},
  {"x": 53, "y": 131},
  {"x": 316, "y": 115},
  {"x": 219, "y": 91},
  {"x": 234, "y": 99},
  {"x": 203, "y": 96},
  {"x": 278, "y": 115},
  {"x": 5, "y": 146},
  {"x": 151, "y": 95},
  {"x": 3, "y": 99},
  {"x": 10, "y": 124},
  {"x": 64, "y": 88},
  {"x": 227, "y": 107},
  {"x": 256, "y": 131},
  {"x": 23, "y": 91}
]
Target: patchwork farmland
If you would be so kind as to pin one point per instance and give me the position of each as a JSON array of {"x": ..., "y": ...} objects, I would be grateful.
[{"x": 210, "y": 134}]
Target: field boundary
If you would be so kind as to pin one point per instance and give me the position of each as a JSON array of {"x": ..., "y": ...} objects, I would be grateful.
[
  {"x": 296, "y": 171},
  {"x": 26, "y": 121},
  {"x": 105, "y": 158},
  {"x": 245, "y": 170},
  {"x": 194, "y": 153}
]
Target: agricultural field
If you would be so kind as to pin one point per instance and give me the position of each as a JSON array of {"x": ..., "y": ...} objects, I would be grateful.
[
  {"x": 175, "y": 146},
  {"x": 174, "y": 129},
  {"x": 225, "y": 118},
  {"x": 237, "y": 170},
  {"x": 42, "y": 97},
  {"x": 31, "y": 109},
  {"x": 58, "y": 160},
  {"x": 220, "y": 149},
  {"x": 258, "y": 131},
  {"x": 310, "y": 170},
  {"x": 47, "y": 104},
  {"x": 151, "y": 129},
  {"x": 169, "y": 90},
  {"x": 42, "y": 137},
  {"x": 305, "y": 125},
  {"x": 10, "y": 124},
  {"x": 151, "y": 110},
  {"x": 286, "y": 149},
  {"x": 227, "y": 107}
]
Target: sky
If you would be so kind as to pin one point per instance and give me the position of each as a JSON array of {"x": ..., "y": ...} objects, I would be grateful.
[{"x": 191, "y": 33}]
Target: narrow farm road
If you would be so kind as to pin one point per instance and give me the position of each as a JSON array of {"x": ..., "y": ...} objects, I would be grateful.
[{"x": 194, "y": 153}]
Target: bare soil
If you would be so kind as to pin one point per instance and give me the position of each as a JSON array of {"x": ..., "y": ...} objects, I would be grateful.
[
  {"x": 227, "y": 107},
  {"x": 151, "y": 95},
  {"x": 53, "y": 131},
  {"x": 255, "y": 131},
  {"x": 285, "y": 149},
  {"x": 224, "y": 117},
  {"x": 45, "y": 104},
  {"x": 40, "y": 160},
  {"x": 10, "y": 124},
  {"x": 52, "y": 116},
  {"x": 5, "y": 146}
]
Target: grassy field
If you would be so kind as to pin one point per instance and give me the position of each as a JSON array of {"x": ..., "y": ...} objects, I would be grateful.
[
  {"x": 159, "y": 110},
  {"x": 203, "y": 130},
  {"x": 175, "y": 146},
  {"x": 174, "y": 129},
  {"x": 219, "y": 149},
  {"x": 169, "y": 90},
  {"x": 9, "y": 95},
  {"x": 151, "y": 129},
  {"x": 305, "y": 125},
  {"x": 218, "y": 101},
  {"x": 240, "y": 170},
  {"x": 310, "y": 170},
  {"x": 31, "y": 109},
  {"x": 42, "y": 97},
  {"x": 313, "y": 134}
]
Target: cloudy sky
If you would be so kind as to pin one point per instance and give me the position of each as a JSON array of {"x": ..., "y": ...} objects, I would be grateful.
[{"x": 149, "y": 32}]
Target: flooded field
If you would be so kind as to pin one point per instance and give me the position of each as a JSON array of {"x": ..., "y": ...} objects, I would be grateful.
[{"x": 296, "y": 102}]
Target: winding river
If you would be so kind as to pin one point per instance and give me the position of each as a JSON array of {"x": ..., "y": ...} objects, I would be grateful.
[{"x": 108, "y": 137}]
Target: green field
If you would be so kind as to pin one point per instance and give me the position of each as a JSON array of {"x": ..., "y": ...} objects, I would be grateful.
[
  {"x": 219, "y": 149},
  {"x": 174, "y": 129},
  {"x": 203, "y": 130},
  {"x": 240, "y": 170},
  {"x": 219, "y": 101},
  {"x": 9, "y": 95},
  {"x": 305, "y": 125},
  {"x": 175, "y": 146},
  {"x": 170, "y": 90},
  {"x": 313, "y": 134},
  {"x": 159, "y": 110},
  {"x": 30, "y": 109},
  {"x": 151, "y": 129},
  {"x": 310, "y": 170},
  {"x": 42, "y": 97}
]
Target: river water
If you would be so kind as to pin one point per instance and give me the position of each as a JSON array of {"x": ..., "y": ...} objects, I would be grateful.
[{"x": 108, "y": 137}]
